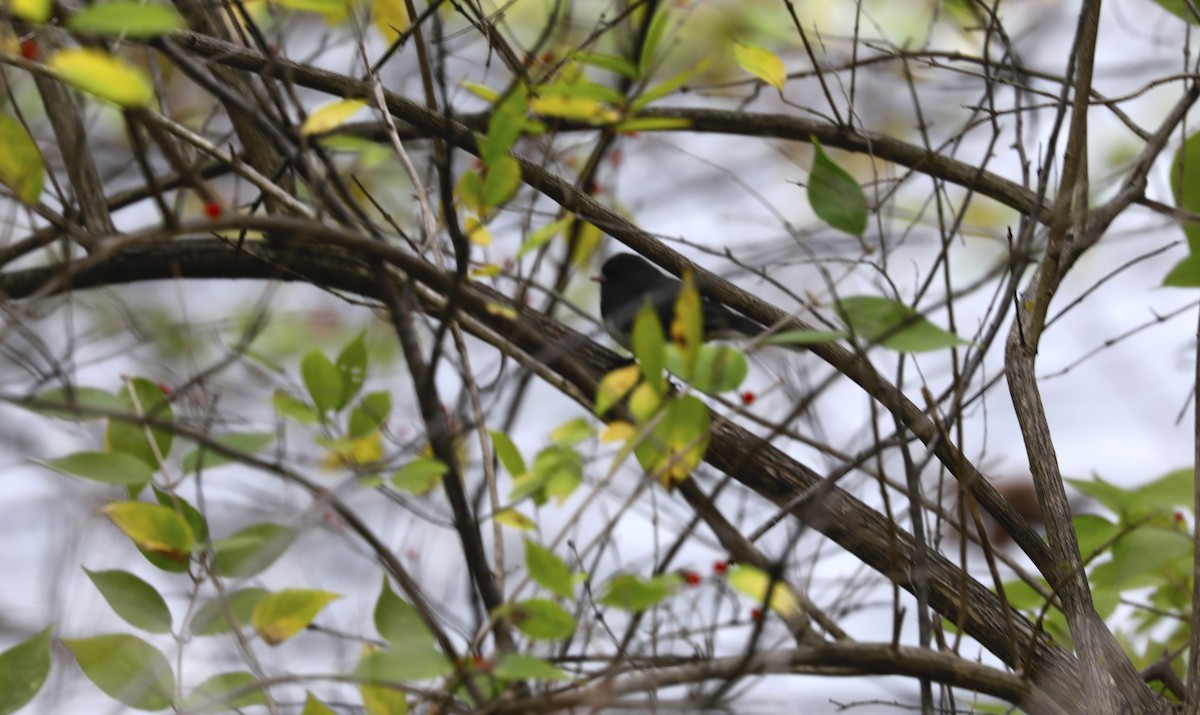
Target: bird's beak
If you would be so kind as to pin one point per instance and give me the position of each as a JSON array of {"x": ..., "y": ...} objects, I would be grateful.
[{"x": 598, "y": 278}]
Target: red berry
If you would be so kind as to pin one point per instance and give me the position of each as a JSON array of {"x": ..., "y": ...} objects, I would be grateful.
[
  {"x": 692, "y": 578},
  {"x": 756, "y": 614},
  {"x": 748, "y": 397},
  {"x": 29, "y": 49},
  {"x": 720, "y": 567},
  {"x": 212, "y": 209}
]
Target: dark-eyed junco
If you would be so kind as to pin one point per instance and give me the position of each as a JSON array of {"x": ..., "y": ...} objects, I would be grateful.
[{"x": 628, "y": 281}]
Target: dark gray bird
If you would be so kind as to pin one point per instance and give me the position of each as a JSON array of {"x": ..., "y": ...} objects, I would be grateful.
[{"x": 628, "y": 281}]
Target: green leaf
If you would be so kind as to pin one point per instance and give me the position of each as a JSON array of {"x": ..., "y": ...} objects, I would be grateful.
[
  {"x": 649, "y": 347},
  {"x": 370, "y": 414},
  {"x": 128, "y": 19},
  {"x": 718, "y": 368},
  {"x": 127, "y": 669},
  {"x": 1150, "y": 556},
  {"x": 549, "y": 571},
  {"x": 142, "y": 398},
  {"x": 420, "y": 476},
  {"x": 279, "y": 616},
  {"x": 313, "y": 706},
  {"x": 22, "y": 169},
  {"x": 572, "y": 432},
  {"x": 805, "y": 337},
  {"x": 107, "y": 467},
  {"x": 761, "y": 63},
  {"x": 653, "y": 124},
  {"x": 216, "y": 693},
  {"x": 557, "y": 471},
  {"x": 1179, "y": 8},
  {"x": 501, "y": 181},
  {"x": 1186, "y": 273},
  {"x": 404, "y": 662},
  {"x": 508, "y": 453},
  {"x": 1093, "y": 531},
  {"x": 248, "y": 442},
  {"x": 893, "y": 325},
  {"x": 539, "y": 618},
  {"x": 352, "y": 367},
  {"x": 190, "y": 513},
  {"x": 294, "y": 409},
  {"x": 541, "y": 236},
  {"x": 134, "y": 600},
  {"x": 154, "y": 528},
  {"x": 666, "y": 87},
  {"x": 323, "y": 380},
  {"x": 1185, "y": 186},
  {"x": 103, "y": 75},
  {"x": 834, "y": 194},
  {"x": 517, "y": 666},
  {"x": 23, "y": 670},
  {"x": 612, "y": 63},
  {"x": 251, "y": 550},
  {"x": 76, "y": 402},
  {"x": 505, "y": 125},
  {"x": 654, "y": 35},
  {"x": 210, "y": 619},
  {"x": 631, "y": 593},
  {"x": 397, "y": 620}
]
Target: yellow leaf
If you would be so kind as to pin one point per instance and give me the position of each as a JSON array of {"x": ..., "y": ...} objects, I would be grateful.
[
  {"x": 487, "y": 270},
  {"x": 617, "y": 432},
  {"x": 390, "y": 17},
  {"x": 514, "y": 520},
  {"x": 103, "y": 75},
  {"x": 503, "y": 311},
  {"x": 754, "y": 583},
  {"x": 31, "y": 10},
  {"x": 761, "y": 63},
  {"x": 330, "y": 116},
  {"x": 363, "y": 450},
  {"x": 477, "y": 233}
]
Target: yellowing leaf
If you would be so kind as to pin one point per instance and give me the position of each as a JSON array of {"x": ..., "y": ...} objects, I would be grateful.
[
  {"x": 330, "y": 116},
  {"x": 615, "y": 385},
  {"x": 514, "y": 520},
  {"x": 363, "y": 450},
  {"x": 583, "y": 109},
  {"x": 687, "y": 329},
  {"x": 390, "y": 17},
  {"x": 334, "y": 11},
  {"x": 754, "y": 583},
  {"x": 761, "y": 63},
  {"x": 21, "y": 167},
  {"x": 282, "y": 615},
  {"x": 154, "y": 528},
  {"x": 103, "y": 75}
]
